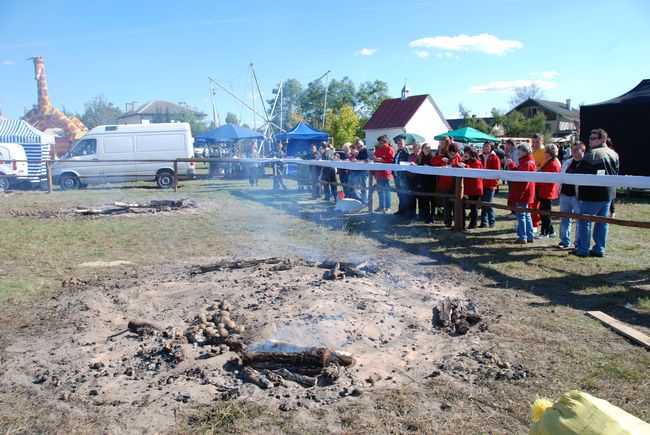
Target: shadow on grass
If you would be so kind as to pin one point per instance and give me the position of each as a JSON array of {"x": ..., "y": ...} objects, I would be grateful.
[{"x": 562, "y": 280}]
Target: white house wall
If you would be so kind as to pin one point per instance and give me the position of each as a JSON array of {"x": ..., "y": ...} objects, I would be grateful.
[
  {"x": 427, "y": 123},
  {"x": 372, "y": 135}
]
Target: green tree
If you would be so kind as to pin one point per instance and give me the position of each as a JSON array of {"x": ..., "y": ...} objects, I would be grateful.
[
  {"x": 470, "y": 120},
  {"x": 231, "y": 118},
  {"x": 197, "y": 125},
  {"x": 291, "y": 100},
  {"x": 294, "y": 118},
  {"x": 311, "y": 103},
  {"x": 341, "y": 93},
  {"x": 99, "y": 111},
  {"x": 515, "y": 124},
  {"x": 369, "y": 96},
  {"x": 343, "y": 126}
]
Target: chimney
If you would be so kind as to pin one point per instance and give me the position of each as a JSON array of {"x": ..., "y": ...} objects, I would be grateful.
[{"x": 568, "y": 103}]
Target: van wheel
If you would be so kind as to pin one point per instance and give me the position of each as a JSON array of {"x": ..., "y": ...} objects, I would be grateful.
[
  {"x": 4, "y": 183},
  {"x": 69, "y": 182},
  {"x": 165, "y": 180}
]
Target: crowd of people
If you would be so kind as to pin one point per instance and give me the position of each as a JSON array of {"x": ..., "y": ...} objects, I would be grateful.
[{"x": 430, "y": 197}]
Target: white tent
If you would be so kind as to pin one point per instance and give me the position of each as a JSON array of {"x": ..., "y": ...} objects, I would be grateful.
[{"x": 36, "y": 143}]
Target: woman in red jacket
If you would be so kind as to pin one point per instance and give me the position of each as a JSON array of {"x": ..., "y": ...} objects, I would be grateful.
[
  {"x": 547, "y": 192},
  {"x": 523, "y": 192},
  {"x": 490, "y": 160},
  {"x": 472, "y": 187},
  {"x": 446, "y": 183}
]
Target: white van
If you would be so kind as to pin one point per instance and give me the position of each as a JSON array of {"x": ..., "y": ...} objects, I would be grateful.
[
  {"x": 127, "y": 152},
  {"x": 11, "y": 170}
]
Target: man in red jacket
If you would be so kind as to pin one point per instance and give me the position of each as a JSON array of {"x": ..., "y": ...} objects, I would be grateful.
[
  {"x": 489, "y": 160},
  {"x": 523, "y": 193},
  {"x": 384, "y": 153}
]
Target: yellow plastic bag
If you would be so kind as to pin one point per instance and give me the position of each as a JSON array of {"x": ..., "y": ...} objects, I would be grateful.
[{"x": 581, "y": 413}]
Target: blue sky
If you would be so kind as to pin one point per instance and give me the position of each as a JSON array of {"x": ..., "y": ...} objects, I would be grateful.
[{"x": 469, "y": 51}]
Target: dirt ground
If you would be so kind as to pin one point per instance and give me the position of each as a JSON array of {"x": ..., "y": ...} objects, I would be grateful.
[
  {"x": 80, "y": 358},
  {"x": 72, "y": 365}
]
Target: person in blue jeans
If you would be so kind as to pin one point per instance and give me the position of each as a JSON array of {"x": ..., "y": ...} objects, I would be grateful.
[
  {"x": 523, "y": 193},
  {"x": 568, "y": 198},
  {"x": 490, "y": 160},
  {"x": 595, "y": 200}
]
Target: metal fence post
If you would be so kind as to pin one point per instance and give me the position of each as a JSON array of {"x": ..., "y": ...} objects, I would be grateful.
[
  {"x": 175, "y": 175},
  {"x": 458, "y": 205},
  {"x": 48, "y": 167}
]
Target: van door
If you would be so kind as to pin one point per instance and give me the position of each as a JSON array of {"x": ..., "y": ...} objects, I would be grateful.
[
  {"x": 83, "y": 160},
  {"x": 117, "y": 158},
  {"x": 163, "y": 146}
]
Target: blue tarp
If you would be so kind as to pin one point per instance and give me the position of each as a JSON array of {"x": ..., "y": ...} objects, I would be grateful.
[
  {"x": 300, "y": 138},
  {"x": 36, "y": 145},
  {"x": 228, "y": 133}
]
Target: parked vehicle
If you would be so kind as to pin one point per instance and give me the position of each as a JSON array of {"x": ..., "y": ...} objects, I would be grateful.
[
  {"x": 11, "y": 170},
  {"x": 129, "y": 152}
]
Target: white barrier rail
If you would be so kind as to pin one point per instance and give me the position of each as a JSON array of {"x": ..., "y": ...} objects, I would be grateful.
[{"x": 629, "y": 181}]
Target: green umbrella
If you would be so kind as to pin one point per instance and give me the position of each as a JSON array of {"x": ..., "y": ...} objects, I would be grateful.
[
  {"x": 411, "y": 138},
  {"x": 467, "y": 134}
]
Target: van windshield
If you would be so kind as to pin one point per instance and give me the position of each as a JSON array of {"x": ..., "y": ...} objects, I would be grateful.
[{"x": 85, "y": 147}]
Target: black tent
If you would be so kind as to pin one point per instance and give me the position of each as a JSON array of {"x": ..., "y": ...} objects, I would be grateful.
[{"x": 626, "y": 120}]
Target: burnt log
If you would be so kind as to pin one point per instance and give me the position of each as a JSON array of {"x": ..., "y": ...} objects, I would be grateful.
[
  {"x": 305, "y": 381},
  {"x": 310, "y": 362},
  {"x": 442, "y": 313},
  {"x": 238, "y": 264},
  {"x": 343, "y": 359},
  {"x": 251, "y": 375},
  {"x": 140, "y": 326}
]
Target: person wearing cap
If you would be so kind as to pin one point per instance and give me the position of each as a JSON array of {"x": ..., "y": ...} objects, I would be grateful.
[
  {"x": 412, "y": 183},
  {"x": 344, "y": 174},
  {"x": 314, "y": 170},
  {"x": 384, "y": 153},
  {"x": 360, "y": 178},
  {"x": 401, "y": 156},
  {"x": 328, "y": 175},
  {"x": 523, "y": 193}
]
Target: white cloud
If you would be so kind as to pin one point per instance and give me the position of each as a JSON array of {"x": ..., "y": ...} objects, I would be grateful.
[
  {"x": 507, "y": 86},
  {"x": 8, "y": 62},
  {"x": 447, "y": 55},
  {"x": 546, "y": 74},
  {"x": 421, "y": 53},
  {"x": 366, "y": 51},
  {"x": 483, "y": 43}
]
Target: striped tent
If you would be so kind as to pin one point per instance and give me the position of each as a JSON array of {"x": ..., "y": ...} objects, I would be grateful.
[{"x": 36, "y": 144}]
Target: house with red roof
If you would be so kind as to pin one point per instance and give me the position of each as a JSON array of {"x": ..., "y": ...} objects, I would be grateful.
[{"x": 418, "y": 114}]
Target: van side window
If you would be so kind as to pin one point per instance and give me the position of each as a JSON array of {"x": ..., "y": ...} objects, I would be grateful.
[{"x": 85, "y": 147}]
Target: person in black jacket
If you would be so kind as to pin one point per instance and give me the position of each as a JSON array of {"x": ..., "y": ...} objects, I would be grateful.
[
  {"x": 401, "y": 185},
  {"x": 595, "y": 200}
]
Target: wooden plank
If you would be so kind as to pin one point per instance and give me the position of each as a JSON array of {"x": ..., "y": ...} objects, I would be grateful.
[{"x": 620, "y": 327}]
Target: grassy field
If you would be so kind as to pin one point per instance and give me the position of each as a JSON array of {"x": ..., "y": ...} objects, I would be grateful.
[{"x": 540, "y": 292}]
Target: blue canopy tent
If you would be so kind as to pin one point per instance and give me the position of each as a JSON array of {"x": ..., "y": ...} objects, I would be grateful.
[
  {"x": 300, "y": 138},
  {"x": 35, "y": 142},
  {"x": 227, "y": 133}
]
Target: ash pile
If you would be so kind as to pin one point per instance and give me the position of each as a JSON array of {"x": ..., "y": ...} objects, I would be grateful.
[{"x": 212, "y": 351}]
